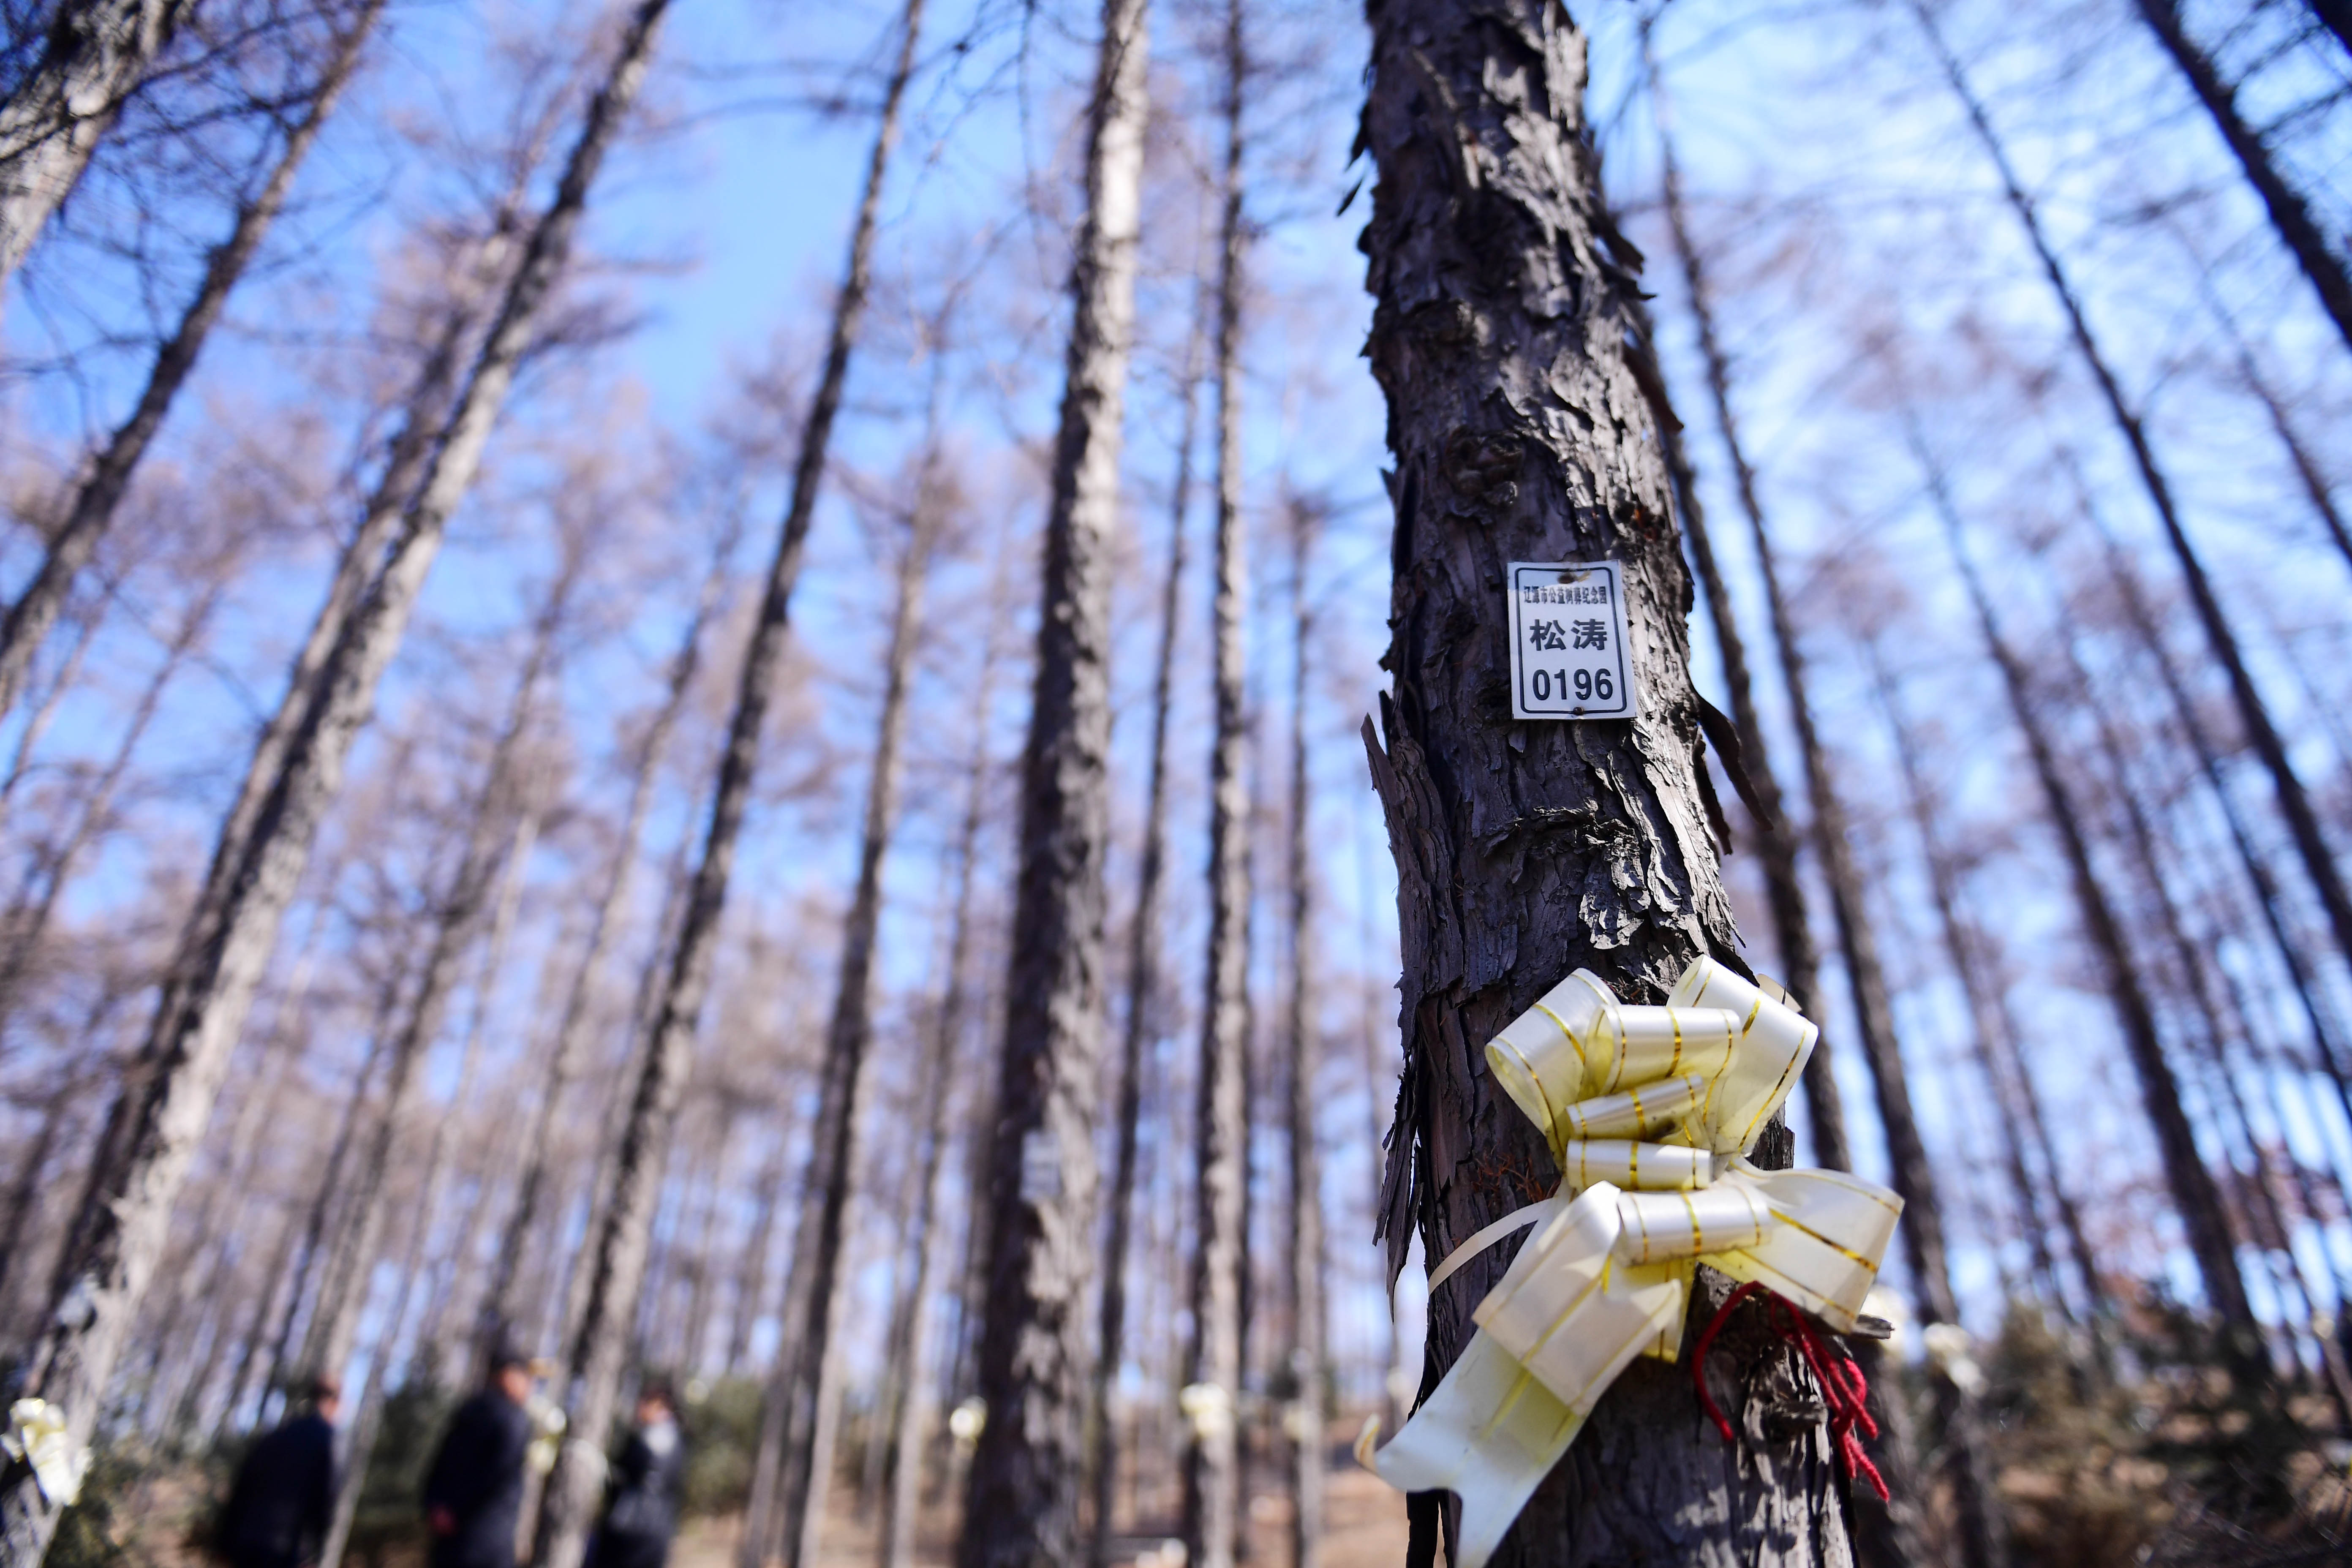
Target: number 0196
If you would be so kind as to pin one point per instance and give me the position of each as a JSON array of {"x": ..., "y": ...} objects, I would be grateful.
[
  {"x": 1569, "y": 657},
  {"x": 1588, "y": 685}
]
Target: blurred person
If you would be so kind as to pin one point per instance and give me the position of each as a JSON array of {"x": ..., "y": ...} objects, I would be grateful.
[
  {"x": 283, "y": 1498},
  {"x": 473, "y": 1492},
  {"x": 641, "y": 1505}
]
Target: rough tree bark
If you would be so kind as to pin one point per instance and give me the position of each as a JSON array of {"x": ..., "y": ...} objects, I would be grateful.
[
  {"x": 503, "y": 1309},
  {"x": 1213, "y": 1363},
  {"x": 1303, "y": 1049},
  {"x": 2253, "y": 713},
  {"x": 96, "y": 54},
  {"x": 1503, "y": 335},
  {"x": 107, "y": 478},
  {"x": 1142, "y": 998},
  {"x": 2290, "y": 214},
  {"x": 1025, "y": 1482},
  {"x": 829, "y": 1185},
  {"x": 167, "y": 1097},
  {"x": 1776, "y": 838},
  {"x": 2194, "y": 1193},
  {"x": 599, "y": 1343}
]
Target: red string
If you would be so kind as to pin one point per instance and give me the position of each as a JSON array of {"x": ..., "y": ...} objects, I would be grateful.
[{"x": 1842, "y": 1385}]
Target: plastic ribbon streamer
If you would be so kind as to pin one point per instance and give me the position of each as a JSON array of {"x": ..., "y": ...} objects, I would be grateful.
[
  {"x": 1650, "y": 1113},
  {"x": 36, "y": 1437}
]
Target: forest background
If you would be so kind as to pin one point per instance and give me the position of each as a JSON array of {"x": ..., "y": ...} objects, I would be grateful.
[{"x": 1887, "y": 331}]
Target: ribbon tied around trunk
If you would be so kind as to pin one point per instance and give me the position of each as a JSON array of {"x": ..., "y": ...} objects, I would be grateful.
[
  {"x": 36, "y": 1437},
  {"x": 1650, "y": 1113}
]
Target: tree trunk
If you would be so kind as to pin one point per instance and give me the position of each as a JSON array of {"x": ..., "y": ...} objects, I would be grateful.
[
  {"x": 27, "y": 921},
  {"x": 97, "y": 52},
  {"x": 1776, "y": 837},
  {"x": 1522, "y": 430},
  {"x": 2299, "y": 967},
  {"x": 907, "y": 1416},
  {"x": 2194, "y": 1193},
  {"x": 600, "y": 1343},
  {"x": 1142, "y": 998},
  {"x": 1302, "y": 1048},
  {"x": 2336, "y": 16},
  {"x": 27, "y": 623},
  {"x": 37, "y": 723},
  {"x": 1213, "y": 1374},
  {"x": 2290, "y": 214},
  {"x": 2294, "y": 803},
  {"x": 503, "y": 1309},
  {"x": 830, "y": 1182},
  {"x": 1025, "y": 1481},
  {"x": 1995, "y": 1034},
  {"x": 159, "y": 1117},
  {"x": 495, "y": 808},
  {"x": 368, "y": 1417}
]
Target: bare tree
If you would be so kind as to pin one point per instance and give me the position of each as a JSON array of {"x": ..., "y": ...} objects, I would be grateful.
[
  {"x": 1023, "y": 1493},
  {"x": 502, "y": 1306},
  {"x": 1776, "y": 838},
  {"x": 95, "y": 54},
  {"x": 1214, "y": 1361},
  {"x": 1504, "y": 336},
  {"x": 102, "y": 485},
  {"x": 1142, "y": 998},
  {"x": 167, "y": 1099},
  {"x": 810, "y": 1383},
  {"x": 2195, "y": 1195},
  {"x": 1303, "y": 1054},
  {"x": 2253, "y": 713},
  {"x": 599, "y": 1343},
  {"x": 2290, "y": 214}
]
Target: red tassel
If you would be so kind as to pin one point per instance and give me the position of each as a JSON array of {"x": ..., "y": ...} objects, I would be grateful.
[{"x": 1843, "y": 1387}]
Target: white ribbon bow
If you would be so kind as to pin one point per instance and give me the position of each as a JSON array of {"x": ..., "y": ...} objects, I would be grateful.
[
  {"x": 1650, "y": 1113},
  {"x": 36, "y": 1436}
]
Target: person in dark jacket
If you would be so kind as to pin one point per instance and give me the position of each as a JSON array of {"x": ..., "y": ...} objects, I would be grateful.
[
  {"x": 472, "y": 1493},
  {"x": 284, "y": 1495},
  {"x": 640, "y": 1501}
]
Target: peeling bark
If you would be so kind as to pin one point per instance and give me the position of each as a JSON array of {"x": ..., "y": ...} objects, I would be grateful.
[{"x": 1506, "y": 337}]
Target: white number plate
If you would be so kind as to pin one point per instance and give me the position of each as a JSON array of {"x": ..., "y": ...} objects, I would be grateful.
[{"x": 1568, "y": 641}]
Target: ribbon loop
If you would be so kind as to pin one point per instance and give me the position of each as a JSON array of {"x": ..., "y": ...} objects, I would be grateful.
[{"x": 1650, "y": 1112}]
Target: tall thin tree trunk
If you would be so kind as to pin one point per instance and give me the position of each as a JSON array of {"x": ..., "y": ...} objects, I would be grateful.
[
  {"x": 1302, "y": 1048},
  {"x": 167, "y": 1097},
  {"x": 102, "y": 486},
  {"x": 2194, "y": 1193},
  {"x": 1138, "y": 1024},
  {"x": 1025, "y": 1481},
  {"x": 97, "y": 53},
  {"x": 2289, "y": 214},
  {"x": 1504, "y": 336},
  {"x": 1213, "y": 1373},
  {"x": 830, "y": 1183},
  {"x": 367, "y": 1420},
  {"x": 1776, "y": 837},
  {"x": 599, "y": 1345},
  {"x": 1995, "y": 1037},
  {"x": 27, "y": 923},
  {"x": 45, "y": 709},
  {"x": 926, "y": 1236},
  {"x": 2301, "y": 970},
  {"x": 496, "y": 807},
  {"x": 2254, "y": 714},
  {"x": 502, "y": 1307}
]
